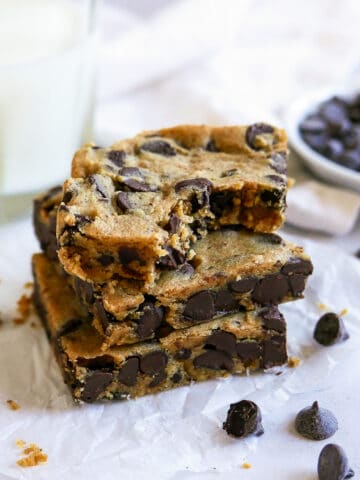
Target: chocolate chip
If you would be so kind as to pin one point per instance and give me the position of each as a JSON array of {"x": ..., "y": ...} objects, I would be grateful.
[
  {"x": 96, "y": 363},
  {"x": 271, "y": 197},
  {"x": 276, "y": 179},
  {"x": 183, "y": 354},
  {"x": 222, "y": 340},
  {"x": 82, "y": 220},
  {"x": 297, "y": 265},
  {"x": 258, "y": 136},
  {"x": 220, "y": 201},
  {"x": 117, "y": 157},
  {"x": 333, "y": 149},
  {"x": 128, "y": 255},
  {"x": 122, "y": 201},
  {"x": 316, "y": 423},
  {"x": 200, "y": 306},
  {"x": 150, "y": 319},
  {"x": 229, "y": 173},
  {"x": 173, "y": 224},
  {"x": 130, "y": 172},
  {"x": 350, "y": 159},
  {"x": 153, "y": 363},
  {"x": 225, "y": 302},
  {"x": 136, "y": 186},
  {"x": 159, "y": 146},
  {"x": 172, "y": 259},
  {"x": 186, "y": 269},
  {"x": 210, "y": 146},
  {"x": 105, "y": 259},
  {"x": 202, "y": 188},
  {"x": 271, "y": 238},
  {"x": 248, "y": 352},
  {"x": 330, "y": 329},
  {"x": 333, "y": 464},
  {"x": 103, "y": 316},
  {"x": 243, "y": 419},
  {"x": 176, "y": 378},
  {"x": 93, "y": 180},
  {"x": 95, "y": 384},
  {"x": 271, "y": 290},
  {"x": 242, "y": 286},
  {"x": 158, "y": 378},
  {"x": 297, "y": 284},
  {"x": 316, "y": 141},
  {"x": 214, "y": 360},
  {"x": 278, "y": 162},
  {"x": 274, "y": 352},
  {"x": 313, "y": 124},
  {"x": 333, "y": 111},
  {"x": 84, "y": 290},
  {"x": 67, "y": 196},
  {"x": 128, "y": 373},
  {"x": 69, "y": 327},
  {"x": 272, "y": 319}
]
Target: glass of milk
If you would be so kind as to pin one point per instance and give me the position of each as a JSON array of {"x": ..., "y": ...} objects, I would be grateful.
[{"x": 46, "y": 90}]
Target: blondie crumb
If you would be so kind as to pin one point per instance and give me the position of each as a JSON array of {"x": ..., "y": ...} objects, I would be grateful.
[
  {"x": 294, "y": 362},
  {"x": 28, "y": 285},
  {"x": 246, "y": 465},
  {"x": 343, "y": 312},
  {"x": 323, "y": 306},
  {"x": 24, "y": 308},
  {"x": 13, "y": 405},
  {"x": 20, "y": 443},
  {"x": 34, "y": 456}
]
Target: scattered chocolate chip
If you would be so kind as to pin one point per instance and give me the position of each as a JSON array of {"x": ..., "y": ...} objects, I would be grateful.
[
  {"x": 271, "y": 290},
  {"x": 128, "y": 373},
  {"x": 153, "y": 363},
  {"x": 117, "y": 157},
  {"x": 220, "y": 201},
  {"x": 67, "y": 197},
  {"x": 225, "y": 302},
  {"x": 242, "y": 286},
  {"x": 330, "y": 329},
  {"x": 297, "y": 265},
  {"x": 333, "y": 463},
  {"x": 128, "y": 255},
  {"x": 274, "y": 352},
  {"x": 222, "y": 340},
  {"x": 159, "y": 146},
  {"x": 210, "y": 146},
  {"x": 278, "y": 162},
  {"x": 130, "y": 172},
  {"x": 176, "y": 378},
  {"x": 95, "y": 384},
  {"x": 173, "y": 224},
  {"x": 183, "y": 354},
  {"x": 248, "y": 351},
  {"x": 214, "y": 360},
  {"x": 103, "y": 316},
  {"x": 200, "y": 306},
  {"x": 96, "y": 363},
  {"x": 243, "y": 419},
  {"x": 273, "y": 319},
  {"x": 135, "y": 186},
  {"x": 150, "y": 320},
  {"x": 122, "y": 201},
  {"x": 93, "y": 180},
  {"x": 105, "y": 259},
  {"x": 258, "y": 136},
  {"x": 316, "y": 423}
]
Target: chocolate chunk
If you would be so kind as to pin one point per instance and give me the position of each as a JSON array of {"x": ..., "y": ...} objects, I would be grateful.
[
  {"x": 186, "y": 269},
  {"x": 214, "y": 360},
  {"x": 69, "y": 327},
  {"x": 117, "y": 157},
  {"x": 183, "y": 354},
  {"x": 202, "y": 188},
  {"x": 248, "y": 352},
  {"x": 172, "y": 259},
  {"x": 150, "y": 319},
  {"x": 174, "y": 223},
  {"x": 95, "y": 384},
  {"x": 103, "y": 316},
  {"x": 313, "y": 124},
  {"x": 200, "y": 306},
  {"x": 274, "y": 352},
  {"x": 93, "y": 180},
  {"x": 128, "y": 255},
  {"x": 278, "y": 162},
  {"x": 159, "y": 146},
  {"x": 276, "y": 179},
  {"x": 258, "y": 136},
  {"x": 297, "y": 265},
  {"x": 271, "y": 197},
  {"x": 221, "y": 340},
  {"x": 242, "y": 286},
  {"x": 297, "y": 284},
  {"x": 105, "y": 259},
  {"x": 225, "y": 302},
  {"x": 153, "y": 363},
  {"x": 220, "y": 201},
  {"x": 97, "y": 363},
  {"x": 176, "y": 378},
  {"x": 243, "y": 419},
  {"x": 316, "y": 423},
  {"x": 271, "y": 290},
  {"x": 210, "y": 146},
  {"x": 333, "y": 463},
  {"x": 122, "y": 201},
  {"x": 67, "y": 196},
  {"x": 128, "y": 373},
  {"x": 330, "y": 329},
  {"x": 130, "y": 172},
  {"x": 158, "y": 378},
  {"x": 136, "y": 186},
  {"x": 272, "y": 319}
]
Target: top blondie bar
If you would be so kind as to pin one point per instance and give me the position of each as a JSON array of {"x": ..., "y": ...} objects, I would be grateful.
[{"x": 136, "y": 208}]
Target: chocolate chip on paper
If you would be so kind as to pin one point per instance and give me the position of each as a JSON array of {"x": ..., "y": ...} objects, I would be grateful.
[
  {"x": 330, "y": 329},
  {"x": 316, "y": 423},
  {"x": 243, "y": 419},
  {"x": 333, "y": 463}
]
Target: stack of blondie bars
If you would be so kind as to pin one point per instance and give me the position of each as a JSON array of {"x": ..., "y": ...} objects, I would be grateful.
[{"x": 160, "y": 266}]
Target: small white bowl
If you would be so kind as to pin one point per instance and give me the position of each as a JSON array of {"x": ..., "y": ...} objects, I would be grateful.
[{"x": 320, "y": 165}]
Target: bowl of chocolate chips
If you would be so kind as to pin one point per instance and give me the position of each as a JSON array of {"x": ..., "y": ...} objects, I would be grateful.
[{"x": 324, "y": 129}]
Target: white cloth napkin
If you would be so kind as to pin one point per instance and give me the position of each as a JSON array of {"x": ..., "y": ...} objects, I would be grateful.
[{"x": 315, "y": 206}]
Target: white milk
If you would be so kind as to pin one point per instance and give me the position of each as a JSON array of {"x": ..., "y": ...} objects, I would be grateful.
[{"x": 46, "y": 90}]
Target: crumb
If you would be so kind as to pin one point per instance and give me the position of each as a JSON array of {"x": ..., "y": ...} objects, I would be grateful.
[
  {"x": 23, "y": 307},
  {"x": 28, "y": 285},
  {"x": 246, "y": 465},
  {"x": 343, "y": 312},
  {"x": 34, "y": 456},
  {"x": 294, "y": 362},
  {"x": 322, "y": 306},
  {"x": 13, "y": 405},
  {"x": 20, "y": 443}
]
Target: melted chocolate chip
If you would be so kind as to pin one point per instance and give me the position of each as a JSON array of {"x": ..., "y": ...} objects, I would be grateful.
[
  {"x": 176, "y": 378},
  {"x": 214, "y": 360},
  {"x": 271, "y": 197},
  {"x": 316, "y": 423},
  {"x": 117, "y": 157},
  {"x": 183, "y": 354},
  {"x": 243, "y": 419},
  {"x": 255, "y": 135},
  {"x": 220, "y": 201},
  {"x": 95, "y": 384},
  {"x": 103, "y": 316},
  {"x": 135, "y": 186},
  {"x": 274, "y": 352},
  {"x": 222, "y": 340},
  {"x": 150, "y": 319},
  {"x": 93, "y": 180},
  {"x": 128, "y": 373},
  {"x": 211, "y": 146},
  {"x": 67, "y": 197},
  {"x": 330, "y": 329},
  {"x": 160, "y": 147},
  {"x": 105, "y": 259},
  {"x": 297, "y": 265},
  {"x": 271, "y": 290},
  {"x": 297, "y": 284},
  {"x": 154, "y": 362},
  {"x": 172, "y": 260},
  {"x": 202, "y": 188},
  {"x": 225, "y": 302},
  {"x": 333, "y": 464},
  {"x": 173, "y": 224},
  {"x": 130, "y": 172},
  {"x": 158, "y": 378},
  {"x": 200, "y": 307},
  {"x": 69, "y": 327},
  {"x": 122, "y": 201},
  {"x": 128, "y": 255},
  {"x": 96, "y": 363},
  {"x": 84, "y": 291},
  {"x": 278, "y": 162},
  {"x": 242, "y": 286},
  {"x": 248, "y": 352},
  {"x": 272, "y": 319}
]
